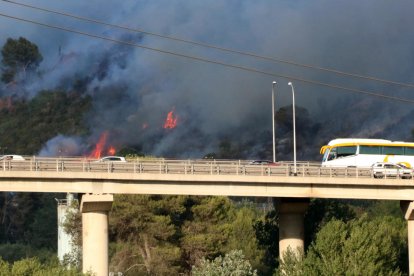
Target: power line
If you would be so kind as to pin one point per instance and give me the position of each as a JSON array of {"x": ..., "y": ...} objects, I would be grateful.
[
  {"x": 250, "y": 54},
  {"x": 346, "y": 89}
]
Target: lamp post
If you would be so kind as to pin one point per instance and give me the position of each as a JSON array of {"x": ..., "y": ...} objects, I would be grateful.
[
  {"x": 273, "y": 121},
  {"x": 294, "y": 129}
]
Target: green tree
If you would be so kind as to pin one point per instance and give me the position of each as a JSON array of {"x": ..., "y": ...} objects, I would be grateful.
[
  {"x": 385, "y": 208},
  {"x": 42, "y": 230},
  {"x": 4, "y": 268},
  {"x": 207, "y": 233},
  {"x": 19, "y": 55},
  {"x": 15, "y": 215},
  {"x": 267, "y": 234},
  {"x": 321, "y": 211},
  {"x": 28, "y": 217},
  {"x": 243, "y": 236},
  {"x": 167, "y": 235},
  {"x": 29, "y": 125},
  {"x": 33, "y": 267},
  {"x": 26, "y": 267},
  {"x": 292, "y": 265},
  {"x": 357, "y": 247},
  {"x": 232, "y": 264},
  {"x": 318, "y": 214},
  {"x": 144, "y": 229}
]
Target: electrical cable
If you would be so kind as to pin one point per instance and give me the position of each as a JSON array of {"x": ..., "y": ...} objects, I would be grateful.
[
  {"x": 250, "y": 54},
  {"x": 346, "y": 89}
]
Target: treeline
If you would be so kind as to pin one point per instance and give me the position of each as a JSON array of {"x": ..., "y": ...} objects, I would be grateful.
[{"x": 173, "y": 235}]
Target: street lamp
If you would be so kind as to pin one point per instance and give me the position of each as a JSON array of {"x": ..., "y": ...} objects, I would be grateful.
[
  {"x": 273, "y": 121},
  {"x": 294, "y": 129}
]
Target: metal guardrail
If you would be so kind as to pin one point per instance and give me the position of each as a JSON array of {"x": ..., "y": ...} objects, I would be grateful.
[{"x": 195, "y": 167}]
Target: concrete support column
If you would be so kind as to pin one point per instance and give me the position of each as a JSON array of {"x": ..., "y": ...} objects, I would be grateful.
[
  {"x": 95, "y": 210},
  {"x": 407, "y": 207},
  {"x": 291, "y": 230},
  {"x": 65, "y": 244}
]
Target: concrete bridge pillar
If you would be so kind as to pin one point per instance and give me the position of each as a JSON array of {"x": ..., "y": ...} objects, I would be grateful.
[
  {"x": 95, "y": 210},
  {"x": 408, "y": 207},
  {"x": 291, "y": 230}
]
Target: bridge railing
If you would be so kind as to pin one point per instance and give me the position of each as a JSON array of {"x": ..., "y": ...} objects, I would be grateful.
[{"x": 196, "y": 167}]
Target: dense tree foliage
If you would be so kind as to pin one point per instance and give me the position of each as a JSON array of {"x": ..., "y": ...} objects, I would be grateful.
[
  {"x": 358, "y": 247},
  {"x": 164, "y": 235},
  {"x": 33, "y": 267},
  {"x": 232, "y": 264},
  {"x": 19, "y": 56},
  {"x": 318, "y": 214},
  {"x": 145, "y": 232},
  {"x": 243, "y": 235},
  {"x": 27, "y": 218},
  {"x": 321, "y": 212},
  {"x": 28, "y": 125},
  {"x": 267, "y": 233}
]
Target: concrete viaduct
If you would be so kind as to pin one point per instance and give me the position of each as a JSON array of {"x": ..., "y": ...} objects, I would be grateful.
[{"x": 98, "y": 183}]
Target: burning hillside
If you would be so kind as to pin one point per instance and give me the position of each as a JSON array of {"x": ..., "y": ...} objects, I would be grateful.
[{"x": 132, "y": 90}]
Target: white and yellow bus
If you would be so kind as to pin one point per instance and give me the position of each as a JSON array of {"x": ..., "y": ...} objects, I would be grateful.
[{"x": 354, "y": 152}]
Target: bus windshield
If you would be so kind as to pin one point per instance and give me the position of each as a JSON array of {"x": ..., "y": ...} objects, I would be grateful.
[{"x": 339, "y": 152}]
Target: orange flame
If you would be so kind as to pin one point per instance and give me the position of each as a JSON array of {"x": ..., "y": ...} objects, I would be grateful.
[
  {"x": 111, "y": 150},
  {"x": 96, "y": 153},
  {"x": 171, "y": 120}
]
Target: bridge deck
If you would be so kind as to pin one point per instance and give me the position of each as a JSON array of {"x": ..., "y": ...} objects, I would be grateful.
[{"x": 230, "y": 178}]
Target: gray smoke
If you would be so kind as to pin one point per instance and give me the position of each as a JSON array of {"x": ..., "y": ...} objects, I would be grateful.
[
  {"x": 62, "y": 146},
  {"x": 133, "y": 87}
]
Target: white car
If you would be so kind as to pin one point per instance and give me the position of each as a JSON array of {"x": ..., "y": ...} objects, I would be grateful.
[
  {"x": 381, "y": 169},
  {"x": 12, "y": 157},
  {"x": 112, "y": 159}
]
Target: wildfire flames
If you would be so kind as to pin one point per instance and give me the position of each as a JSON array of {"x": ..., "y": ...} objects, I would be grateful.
[
  {"x": 111, "y": 150},
  {"x": 100, "y": 147},
  {"x": 171, "y": 120}
]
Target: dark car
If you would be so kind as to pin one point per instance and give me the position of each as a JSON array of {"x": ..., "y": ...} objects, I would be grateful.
[{"x": 262, "y": 162}]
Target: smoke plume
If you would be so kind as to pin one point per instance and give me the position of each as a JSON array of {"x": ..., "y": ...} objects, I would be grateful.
[{"x": 134, "y": 89}]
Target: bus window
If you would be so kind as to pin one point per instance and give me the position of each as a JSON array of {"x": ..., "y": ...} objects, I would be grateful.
[
  {"x": 393, "y": 150},
  {"x": 369, "y": 150},
  {"x": 332, "y": 154},
  {"x": 409, "y": 151},
  {"x": 346, "y": 151}
]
